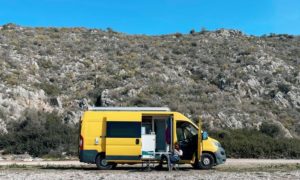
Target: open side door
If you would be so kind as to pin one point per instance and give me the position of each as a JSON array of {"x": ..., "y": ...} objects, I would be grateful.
[
  {"x": 123, "y": 137},
  {"x": 199, "y": 149}
]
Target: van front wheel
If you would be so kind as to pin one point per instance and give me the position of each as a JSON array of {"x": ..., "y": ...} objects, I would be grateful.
[
  {"x": 207, "y": 161},
  {"x": 103, "y": 164}
]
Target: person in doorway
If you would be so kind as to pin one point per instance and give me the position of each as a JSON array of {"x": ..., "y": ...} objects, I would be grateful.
[{"x": 177, "y": 152}]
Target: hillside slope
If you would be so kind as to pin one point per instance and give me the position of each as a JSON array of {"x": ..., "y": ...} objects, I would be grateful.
[{"x": 230, "y": 79}]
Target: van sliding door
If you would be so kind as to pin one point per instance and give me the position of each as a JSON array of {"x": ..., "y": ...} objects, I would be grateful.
[{"x": 123, "y": 138}]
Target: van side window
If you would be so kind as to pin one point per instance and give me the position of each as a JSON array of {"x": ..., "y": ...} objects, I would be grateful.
[
  {"x": 122, "y": 129},
  {"x": 147, "y": 124}
]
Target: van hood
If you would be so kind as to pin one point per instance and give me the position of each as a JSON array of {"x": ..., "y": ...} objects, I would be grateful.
[{"x": 212, "y": 139}]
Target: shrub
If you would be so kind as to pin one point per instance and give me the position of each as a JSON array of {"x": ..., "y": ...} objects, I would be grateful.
[
  {"x": 284, "y": 88},
  {"x": 45, "y": 64},
  {"x": 2, "y": 114},
  {"x": 178, "y": 35},
  {"x": 50, "y": 89},
  {"x": 9, "y": 26},
  {"x": 39, "y": 133},
  {"x": 297, "y": 129},
  {"x": 12, "y": 79},
  {"x": 250, "y": 143},
  {"x": 194, "y": 44},
  {"x": 270, "y": 129}
]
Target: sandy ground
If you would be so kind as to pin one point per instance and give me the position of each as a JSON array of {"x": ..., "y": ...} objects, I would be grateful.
[{"x": 233, "y": 169}]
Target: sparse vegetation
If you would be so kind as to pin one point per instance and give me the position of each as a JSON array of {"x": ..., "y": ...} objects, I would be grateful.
[
  {"x": 50, "y": 89},
  {"x": 270, "y": 129},
  {"x": 232, "y": 79},
  {"x": 262, "y": 168},
  {"x": 40, "y": 133},
  {"x": 284, "y": 88},
  {"x": 247, "y": 143}
]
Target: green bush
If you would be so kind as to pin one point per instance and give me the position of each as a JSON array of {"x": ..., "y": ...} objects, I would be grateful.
[
  {"x": 50, "y": 89},
  {"x": 11, "y": 79},
  {"x": 178, "y": 35},
  {"x": 270, "y": 129},
  {"x": 39, "y": 133},
  {"x": 284, "y": 88},
  {"x": 45, "y": 64},
  {"x": 250, "y": 143},
  {"x": 297, "y": 129}
]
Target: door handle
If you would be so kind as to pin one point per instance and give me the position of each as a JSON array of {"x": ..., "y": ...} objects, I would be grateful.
[{"x": 137, "y": 141}]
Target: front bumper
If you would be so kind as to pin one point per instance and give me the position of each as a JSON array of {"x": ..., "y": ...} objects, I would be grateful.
[{"x": 220, "y": 156}]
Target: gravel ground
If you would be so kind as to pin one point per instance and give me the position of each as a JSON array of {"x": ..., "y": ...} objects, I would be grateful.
[
  {"x": 76, "y": 163},
  {"x": 121, "y": 174},
  {"x": 233, "y": 169}
]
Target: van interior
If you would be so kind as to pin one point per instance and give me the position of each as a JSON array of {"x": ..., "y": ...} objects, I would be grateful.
[
  {"x": 154, "y": 131},
  {"x": 155, "y": 127}
]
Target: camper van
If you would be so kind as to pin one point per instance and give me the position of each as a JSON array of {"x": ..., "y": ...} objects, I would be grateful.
[{"x": 131, "y": 135}]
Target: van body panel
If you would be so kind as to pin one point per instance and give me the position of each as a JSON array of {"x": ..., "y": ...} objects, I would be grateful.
[
  {"x": 93, "y": 130},
  {"x": 209, "y": 145},
  {"x": 124, "y": 147},
  {"x": 123, "y": 136}
]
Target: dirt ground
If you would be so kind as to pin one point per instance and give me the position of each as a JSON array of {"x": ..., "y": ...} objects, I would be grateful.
[{"x": 233, "y": 169}]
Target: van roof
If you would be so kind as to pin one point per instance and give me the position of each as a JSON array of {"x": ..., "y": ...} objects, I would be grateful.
[{"x": 164, "y": 109}]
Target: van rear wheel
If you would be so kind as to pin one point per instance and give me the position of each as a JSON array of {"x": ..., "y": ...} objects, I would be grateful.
[{"x": 103, "y": 164}]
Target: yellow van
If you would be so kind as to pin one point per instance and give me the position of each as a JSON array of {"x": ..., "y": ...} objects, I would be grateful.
[{"x": 130, "y": 135}]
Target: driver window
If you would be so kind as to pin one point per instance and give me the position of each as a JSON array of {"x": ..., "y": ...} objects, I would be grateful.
[
  {"x": 180, "y": 135},
  {"x": 187, "y": 133},
  {"x": 185, "y": 130}
]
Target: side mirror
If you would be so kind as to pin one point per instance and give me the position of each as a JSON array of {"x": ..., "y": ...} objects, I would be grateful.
[
  {"x": 221, "y": 135},
  {"x": 204, "y": 135}
]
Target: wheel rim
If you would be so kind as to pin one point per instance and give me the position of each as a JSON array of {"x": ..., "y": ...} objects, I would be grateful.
[
  {"x": 103, "y": 162},
  {"x": 206, "y": 161}
]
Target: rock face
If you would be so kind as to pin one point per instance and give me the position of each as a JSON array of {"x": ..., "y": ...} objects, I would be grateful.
[
  {"x": 16, "y": 99},
  {"x": 230, "y": 79}
]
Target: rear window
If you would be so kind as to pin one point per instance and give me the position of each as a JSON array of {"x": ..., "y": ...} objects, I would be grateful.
[{"x": 123, "y": 129}]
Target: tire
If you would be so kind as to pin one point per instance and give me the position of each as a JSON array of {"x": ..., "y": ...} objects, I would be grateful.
[
  {"x": 207, "y": 161},
  {"x": 114, "y": 165},
  {"x": 196, "y": 164},
  {"x": 103, "y": 165}
]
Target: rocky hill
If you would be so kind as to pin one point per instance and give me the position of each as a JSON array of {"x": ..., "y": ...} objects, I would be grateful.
[{"x": 229, "y": 78}]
